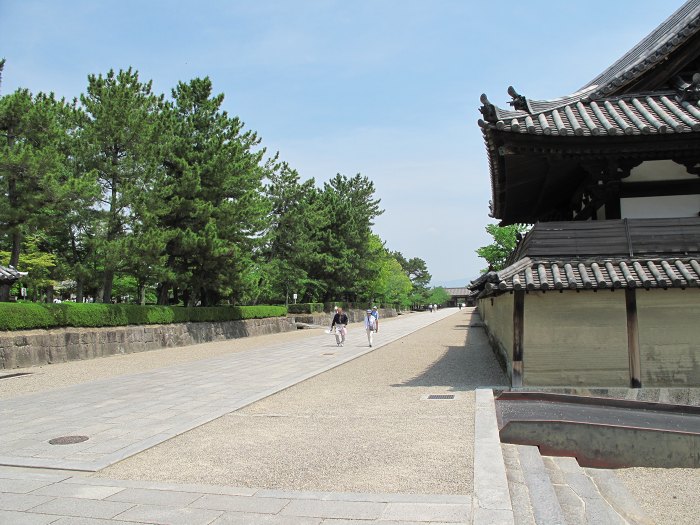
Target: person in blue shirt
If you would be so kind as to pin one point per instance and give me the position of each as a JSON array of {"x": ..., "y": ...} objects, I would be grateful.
[
  {"x": 375, "y": 314},
  {"x": 370, "y": 326}
]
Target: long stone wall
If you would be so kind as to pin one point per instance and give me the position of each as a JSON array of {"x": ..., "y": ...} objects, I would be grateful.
[
  {"x": 354, "y": 316},
  {"x": 39, "y": 347}
]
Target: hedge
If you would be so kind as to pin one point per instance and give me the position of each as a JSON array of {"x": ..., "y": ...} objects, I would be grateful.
[
  {"x": 305, "y": 308},
  {"x": 26, "y": 316}
]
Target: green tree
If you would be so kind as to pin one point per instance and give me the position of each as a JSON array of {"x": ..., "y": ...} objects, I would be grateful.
[
  {"x": 416, "y": 269},
  {"x": 119, "y": 142},
  {"x": 291, "y": 244},
  {"x": 215, "y": 208},
  {"x": 31, "y": 167},
  {"x": 38, "y": 264},
  {"x": 438, "y": 296},
  {"x": 349, "y": 207},
  {"x": 505, "y": 240}
]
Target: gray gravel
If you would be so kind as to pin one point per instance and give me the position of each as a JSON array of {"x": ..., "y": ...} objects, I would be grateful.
[
  {"x": 362, "y": 427},
  {"x": 668, "y": 496}
]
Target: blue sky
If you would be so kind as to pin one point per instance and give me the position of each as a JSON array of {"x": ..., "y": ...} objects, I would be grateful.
[{"x": 386, "y": 88}]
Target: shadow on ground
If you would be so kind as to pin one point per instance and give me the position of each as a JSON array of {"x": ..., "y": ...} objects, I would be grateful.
[{"x": 463, "y": 368}]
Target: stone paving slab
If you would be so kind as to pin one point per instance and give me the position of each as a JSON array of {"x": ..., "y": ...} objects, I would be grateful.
[
  {"x": 125, "y": 415},
  {"x": 82, "y": 500}
]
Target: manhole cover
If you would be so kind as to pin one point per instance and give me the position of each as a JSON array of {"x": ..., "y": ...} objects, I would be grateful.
[
  {"x": 441, "y": 396},
  {"x": 68, "y": 440},
  {"x": 15, "y": 375}
]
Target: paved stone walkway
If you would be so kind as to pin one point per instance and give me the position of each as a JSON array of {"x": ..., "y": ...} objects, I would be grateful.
[
  {"x": 127, "y": 414},
  {"x": 40, "y": 497}
]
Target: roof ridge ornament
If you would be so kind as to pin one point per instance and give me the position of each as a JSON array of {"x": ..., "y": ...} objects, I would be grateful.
[
  {"x": 688, "y": 91},
  {"x": 519, "y": 101},
  {"x": 488, "y": 110}
]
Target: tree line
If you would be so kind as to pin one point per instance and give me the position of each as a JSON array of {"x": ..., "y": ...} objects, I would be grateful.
[{"x": 124, "y": 193}]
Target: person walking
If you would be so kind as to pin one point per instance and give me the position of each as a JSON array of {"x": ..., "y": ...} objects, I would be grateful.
[
  {"x": 375, "y": 314},
  {"x": 370, "y": 326},
  {"x": 340, "y": 321}
]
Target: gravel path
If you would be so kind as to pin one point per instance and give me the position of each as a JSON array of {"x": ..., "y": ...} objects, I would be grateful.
[
  {"x": 668, "y": 496},
  {"x": 362, "y": 427}
]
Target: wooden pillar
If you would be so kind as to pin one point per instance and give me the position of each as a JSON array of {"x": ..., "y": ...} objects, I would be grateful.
[
  {"x": 633, "y": 338},
  {"x": 518, "y": 329},
  {"x": 612, "y": 200}
]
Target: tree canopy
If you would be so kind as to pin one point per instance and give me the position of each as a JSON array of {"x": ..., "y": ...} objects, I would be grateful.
[
  {"x": 505, "y": 240},
  {"x": 125, "y": 194}
]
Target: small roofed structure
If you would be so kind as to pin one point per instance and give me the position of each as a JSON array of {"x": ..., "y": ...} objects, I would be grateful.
[
  {"x": 603, "y": 291},
  {"x": 460, "y": 296},
  {"x": 8, "y": 275}
]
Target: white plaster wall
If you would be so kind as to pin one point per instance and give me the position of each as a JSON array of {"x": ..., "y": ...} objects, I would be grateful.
[
  {"x": 669, "y": 336},
  {"x": 575, "y": 338},
  {"x": 656, "y": 170},
  {"x": 497, "y": 314},
  {"x": 659, "y": 207}
]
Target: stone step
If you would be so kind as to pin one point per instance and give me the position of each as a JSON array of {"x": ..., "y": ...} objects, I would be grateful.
[
  {"x": 592, "y": 496},
  {"x": 557, "y": 491},
  {"x": 519, "y": 492},
  {"x": 617, "y": 496},
  {"x": 546, "y": 509}
]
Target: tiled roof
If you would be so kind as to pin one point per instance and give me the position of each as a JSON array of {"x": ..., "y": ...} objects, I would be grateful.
[
  {"x": 671, "y": 34},
  {"x": 642, "y": 238},
  {"x": 9, "y": 275},
  {"x": 578, "y": 274},
  {"x": 627, "y": 253},
  {"x": 459, "y": 292},
  {"x": 656, "y": 113}
]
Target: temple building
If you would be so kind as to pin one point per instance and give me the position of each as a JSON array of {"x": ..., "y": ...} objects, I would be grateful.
[{"x": 604, "y": 289}]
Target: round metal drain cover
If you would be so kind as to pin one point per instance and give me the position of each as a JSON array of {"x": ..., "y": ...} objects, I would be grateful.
[{"x": 68, "y": 440}]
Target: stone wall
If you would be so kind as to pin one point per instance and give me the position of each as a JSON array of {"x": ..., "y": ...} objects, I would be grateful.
[
  {"x": 39, "y": 347},
  {"x": 354, "y": 316}
]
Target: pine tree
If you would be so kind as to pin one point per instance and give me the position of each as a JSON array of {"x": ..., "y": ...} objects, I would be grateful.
[
  {"x": 31, "y": 167},
  {"x": 213, "y": 194},
  {"x": 120, "y": 143}
]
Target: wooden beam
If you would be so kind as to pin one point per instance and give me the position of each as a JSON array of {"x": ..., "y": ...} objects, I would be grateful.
[
  {"x": 635, "y": 367},
  {"x": 518, "y": 330},
  {"x": 660, "y": 188}
]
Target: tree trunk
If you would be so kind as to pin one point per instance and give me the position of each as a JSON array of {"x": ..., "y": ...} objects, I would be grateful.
[
  {"x": 142, "y": 295},
  {"x": 79, "y": 291},
  {"x": 107, "y": 286},
  {"x": 163, "y": 293}
]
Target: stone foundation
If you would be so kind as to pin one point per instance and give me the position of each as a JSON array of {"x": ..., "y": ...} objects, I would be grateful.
[{"x": 40, "y": 347}]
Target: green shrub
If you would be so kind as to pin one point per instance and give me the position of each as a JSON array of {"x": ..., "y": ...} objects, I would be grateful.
[
  {"x": 25, "y": 316},
  {"x": 305, "y": 308}
]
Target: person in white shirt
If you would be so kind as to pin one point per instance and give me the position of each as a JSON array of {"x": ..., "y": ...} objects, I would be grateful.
[{"x": 370, "y": 326}]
